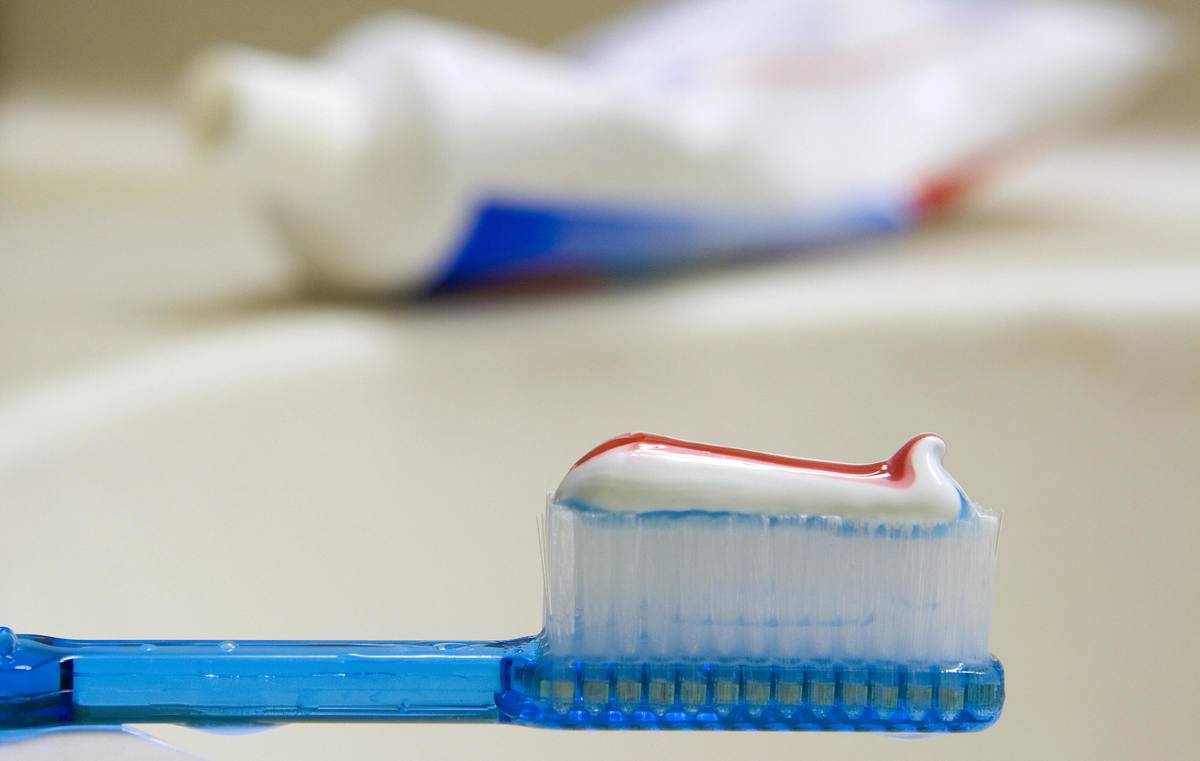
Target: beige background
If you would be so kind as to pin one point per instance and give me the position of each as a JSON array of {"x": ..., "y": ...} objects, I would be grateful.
[
  {"x": 188, "y": 450},
  {"x": 138, "y": 46},
  {"x": 128, "y": 44}
]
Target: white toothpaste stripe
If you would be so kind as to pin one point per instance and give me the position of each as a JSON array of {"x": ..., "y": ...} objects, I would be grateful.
[{"x": 653, "y": 474}]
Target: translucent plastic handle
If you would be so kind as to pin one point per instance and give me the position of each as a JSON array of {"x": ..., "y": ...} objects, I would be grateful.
[{"x": 46, "y": 681}]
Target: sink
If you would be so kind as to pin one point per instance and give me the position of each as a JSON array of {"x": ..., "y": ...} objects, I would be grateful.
[{"x": 272, "y": 467}]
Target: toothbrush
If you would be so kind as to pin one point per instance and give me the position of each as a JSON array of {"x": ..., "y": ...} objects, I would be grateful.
[{"x": 686, "y": 585}]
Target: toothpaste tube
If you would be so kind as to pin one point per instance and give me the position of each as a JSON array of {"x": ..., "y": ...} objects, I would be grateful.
[{"x": 417, "y": 155}]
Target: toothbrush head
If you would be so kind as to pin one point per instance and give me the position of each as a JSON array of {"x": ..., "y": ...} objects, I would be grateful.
[{"x": 696, "y": 585}]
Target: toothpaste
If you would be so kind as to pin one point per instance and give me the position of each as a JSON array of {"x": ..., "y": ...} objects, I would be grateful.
[
  {"x": 645, "y": 473},
  {"x": 417, "y": 155}
]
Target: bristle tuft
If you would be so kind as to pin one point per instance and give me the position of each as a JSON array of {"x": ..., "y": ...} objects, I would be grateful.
[{"x": 701, "y": 586}]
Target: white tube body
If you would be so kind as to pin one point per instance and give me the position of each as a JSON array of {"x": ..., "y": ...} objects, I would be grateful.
[{"x": 416, "y": 154}]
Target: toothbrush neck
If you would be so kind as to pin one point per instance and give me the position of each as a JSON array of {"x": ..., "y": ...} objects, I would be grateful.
[{"x": 46, "y": 681}]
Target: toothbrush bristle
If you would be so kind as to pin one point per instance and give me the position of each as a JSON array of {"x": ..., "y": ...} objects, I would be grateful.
[{"x": 718, "y": 586}]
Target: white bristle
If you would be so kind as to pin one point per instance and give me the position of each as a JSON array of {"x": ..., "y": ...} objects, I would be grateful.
[{"x": 697, "y": 585}]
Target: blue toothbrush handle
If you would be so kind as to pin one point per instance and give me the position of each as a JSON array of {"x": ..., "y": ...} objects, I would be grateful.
[{"x": 45, "y": 681}]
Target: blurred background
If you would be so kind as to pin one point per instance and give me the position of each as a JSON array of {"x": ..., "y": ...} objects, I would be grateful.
[{"x": 190, "y": 446}]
